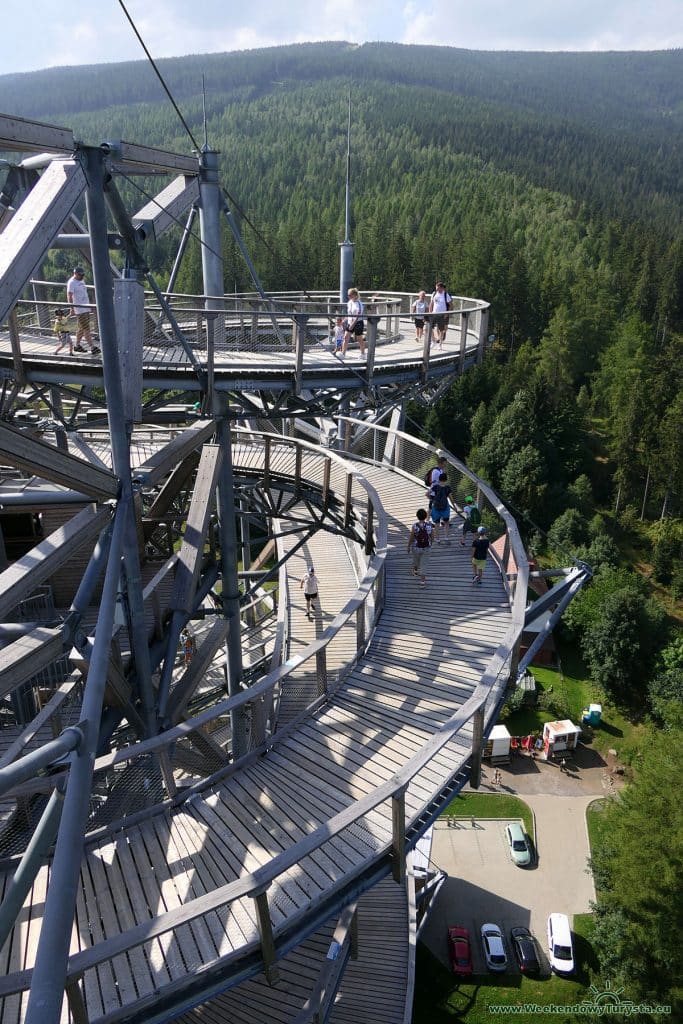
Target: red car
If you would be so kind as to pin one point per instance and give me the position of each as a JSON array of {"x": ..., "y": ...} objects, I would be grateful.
[{"x": 459, "y": 951}]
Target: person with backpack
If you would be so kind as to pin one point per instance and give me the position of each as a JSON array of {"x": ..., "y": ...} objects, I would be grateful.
[
  {"x": 471, "y": 520},
  {"x": 440, "y": 508},
  {"x": 440, "y": 304},
  {"x": 480, "y": 547},
  {"x": 432, "y": 475},
  {"x": 419, "y": 543}
]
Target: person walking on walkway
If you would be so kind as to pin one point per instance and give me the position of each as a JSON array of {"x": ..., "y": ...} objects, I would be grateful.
[
  {"x": 439, "y": 304},
  {"x": 310, "y": 588},
  {"x": 480, "y": 547},
  {"x": 440, "y": 508},
  {"x": 419, "y": 543},
  {"x": 419, "y": 309},
  {"x": 353, "y": 325},
  {"x": 62, "y": 332},
  {"x": 189, "y": 646},
  {"x": 78, "y": 299},
  {"x": 471, "y": 518}
]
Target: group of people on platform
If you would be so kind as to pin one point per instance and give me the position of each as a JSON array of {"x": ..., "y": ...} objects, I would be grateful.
[
  {"x": 433, "y": 526},
  {"x": 352, "y": 326},
  {"x": 79, "y": 307}
]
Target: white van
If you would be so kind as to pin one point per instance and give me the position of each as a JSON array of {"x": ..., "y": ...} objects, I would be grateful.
[{"x": 560, "y": 948}]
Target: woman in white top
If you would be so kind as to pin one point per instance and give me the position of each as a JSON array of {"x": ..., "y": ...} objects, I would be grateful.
[
  {"x": 419, "y": 308},
  {"x": 353, "y": 325}
]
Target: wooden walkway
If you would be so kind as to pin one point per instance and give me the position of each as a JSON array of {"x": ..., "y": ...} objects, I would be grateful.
[
  {"x": 331, "y": 557},
  {"x": 429, "y": 651},
  {"x": 373, "y": 986}
]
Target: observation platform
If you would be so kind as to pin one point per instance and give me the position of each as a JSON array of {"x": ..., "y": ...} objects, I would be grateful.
[{"x": 282, "y": 344}]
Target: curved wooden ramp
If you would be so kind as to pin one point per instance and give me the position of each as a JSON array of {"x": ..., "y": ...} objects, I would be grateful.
[{"x": 165, "y": 876}]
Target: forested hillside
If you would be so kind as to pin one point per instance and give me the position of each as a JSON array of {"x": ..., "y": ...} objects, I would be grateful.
[{"x": 550, "y": 185}]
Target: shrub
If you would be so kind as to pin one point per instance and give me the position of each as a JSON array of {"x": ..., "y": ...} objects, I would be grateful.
[{"x": 568, "y": 532}]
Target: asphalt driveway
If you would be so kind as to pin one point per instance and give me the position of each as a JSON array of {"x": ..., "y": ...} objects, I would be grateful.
[{"x": 483, "y": 884}]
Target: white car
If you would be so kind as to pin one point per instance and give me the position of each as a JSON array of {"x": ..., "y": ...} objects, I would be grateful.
[
  {"x": 560, "y": 948},
  {"x": 494, "y": 947}
]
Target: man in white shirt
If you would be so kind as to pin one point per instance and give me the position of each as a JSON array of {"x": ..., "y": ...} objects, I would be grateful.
[
  {"x": 440, "y": 304},
  {"x": 310, "y": 588},
  {"x": 78, "y": 299}
]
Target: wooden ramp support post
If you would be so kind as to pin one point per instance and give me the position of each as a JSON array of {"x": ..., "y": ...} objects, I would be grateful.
[
  {"x": 477, "y": 747},
  {"x": 265, "y": 927},
  {"x": 398, "y": 835},
  {"x": 464, "y": 320}
]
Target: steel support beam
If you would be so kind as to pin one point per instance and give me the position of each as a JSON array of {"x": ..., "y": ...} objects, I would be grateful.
[{"x": 36, "y": 223}]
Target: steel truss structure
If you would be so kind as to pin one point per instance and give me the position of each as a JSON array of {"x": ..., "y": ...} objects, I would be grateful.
[{"x": 160, "y": 473}]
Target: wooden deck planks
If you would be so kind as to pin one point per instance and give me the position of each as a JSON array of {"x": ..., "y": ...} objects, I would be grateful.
[{"x": 425, "y": 660}]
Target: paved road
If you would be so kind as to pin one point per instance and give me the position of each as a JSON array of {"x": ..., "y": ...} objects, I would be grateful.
[{"x": 483, "y": 883}]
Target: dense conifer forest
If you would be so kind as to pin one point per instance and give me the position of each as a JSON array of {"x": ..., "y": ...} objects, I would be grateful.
[{"x": 552, "y": 186}]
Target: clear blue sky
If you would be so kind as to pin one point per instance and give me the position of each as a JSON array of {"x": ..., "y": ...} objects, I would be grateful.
[{"x": 45, "y": 33}]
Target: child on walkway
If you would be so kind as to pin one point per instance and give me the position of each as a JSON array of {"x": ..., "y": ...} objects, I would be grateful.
[
  {"x": 440, "y": 508},
  {"x": 62, "y": 332},
  {"x": 419, "y": 543},
  {"x": 480, "y": 547},
  {"x": 338, "y": 336}
]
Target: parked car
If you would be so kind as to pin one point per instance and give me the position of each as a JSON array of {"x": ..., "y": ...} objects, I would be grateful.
[
  {"x": 525, "y": 950},
  {"x": 518, "y": 844},
  {"x": 560, "y": 948},
  {"x": 459, "y": 950},
  {"x": 494, "y": 947}
]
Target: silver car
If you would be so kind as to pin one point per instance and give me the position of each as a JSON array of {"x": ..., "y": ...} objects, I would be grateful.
[
  {"x": 518, "y": 844},
  {"x": 494, "y": 947}
]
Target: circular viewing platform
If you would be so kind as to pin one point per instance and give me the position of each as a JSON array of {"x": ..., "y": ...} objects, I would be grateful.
[{"x": 280, "y": 344}]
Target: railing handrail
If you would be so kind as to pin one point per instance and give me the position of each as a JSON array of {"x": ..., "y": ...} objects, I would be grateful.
[{"x": 516, "y": 544}]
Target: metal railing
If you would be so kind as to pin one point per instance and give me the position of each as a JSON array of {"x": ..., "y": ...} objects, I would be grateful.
[{"x": 180, "y": 329}]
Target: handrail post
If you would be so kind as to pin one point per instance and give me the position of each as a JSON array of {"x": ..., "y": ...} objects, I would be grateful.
[
  {"x": 398, "y": 836},
  {"x": 327, "y": 468},
  {"x": 321, "y": 671},
  {"x": 369, "y": 526},
  {"x": 426, "y": 346},
  {"x": 74, "y": 997},
  {"x": 477, "y": 746},
  {"x": 348, "y": 508},
  {"x": 360, "y": 629},
  {"x": 300, "y": 321},
  {"x": 265, "y": 928},
  {"x": 483, "y": 334},
  {"x": 373, "y": 321},
  {"x": 464, "y": 319},
  {"x": 298, "y": 452},
  {"x": 353, "y": 940}
]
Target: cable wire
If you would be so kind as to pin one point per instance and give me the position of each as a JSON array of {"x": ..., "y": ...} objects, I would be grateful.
[{"x": 159, "y": 76}]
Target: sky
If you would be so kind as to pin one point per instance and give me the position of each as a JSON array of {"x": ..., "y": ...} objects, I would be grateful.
[{"x": 50, "y": 33}]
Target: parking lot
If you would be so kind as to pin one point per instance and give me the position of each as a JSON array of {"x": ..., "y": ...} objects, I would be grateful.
[{"x": 485, "y": 886}]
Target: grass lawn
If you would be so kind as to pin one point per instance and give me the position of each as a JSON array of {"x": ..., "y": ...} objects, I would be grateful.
[
  {"x": 441, "y": 999},
  {"x": 491, "y": 805},
  {"x": 573, "y": 687}
]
